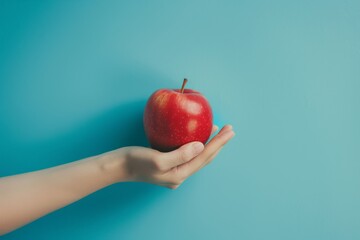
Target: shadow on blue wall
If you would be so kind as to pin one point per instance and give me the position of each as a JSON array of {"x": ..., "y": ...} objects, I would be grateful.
[
  {"x": 117, "y": 204},
  {"x": 121, "y": 126}
]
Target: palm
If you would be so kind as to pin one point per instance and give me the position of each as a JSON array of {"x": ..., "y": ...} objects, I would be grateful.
[{"x": 172, "y": 168}]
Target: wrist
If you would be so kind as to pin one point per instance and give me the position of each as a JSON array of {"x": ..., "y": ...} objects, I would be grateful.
[{"x": 112, "y": 166}]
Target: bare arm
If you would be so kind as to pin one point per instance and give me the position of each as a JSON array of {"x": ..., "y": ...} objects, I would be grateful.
[{"x": 29, "y": 196}]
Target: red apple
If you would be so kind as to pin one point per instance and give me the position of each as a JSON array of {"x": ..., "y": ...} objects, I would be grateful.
[{"x": 174, "y": 117}]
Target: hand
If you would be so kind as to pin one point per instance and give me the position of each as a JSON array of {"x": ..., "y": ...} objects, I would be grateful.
[{"x": 172, "y": 168}]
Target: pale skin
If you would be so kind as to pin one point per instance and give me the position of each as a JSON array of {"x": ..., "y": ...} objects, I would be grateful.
[{"x": 29, "y": 196}]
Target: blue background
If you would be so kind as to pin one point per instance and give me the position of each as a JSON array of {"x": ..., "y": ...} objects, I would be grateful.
[{"x": 74, "y": 77}]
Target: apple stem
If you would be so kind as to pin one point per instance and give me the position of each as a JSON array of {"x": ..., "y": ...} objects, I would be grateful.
[{"x": 183, "y": 85}]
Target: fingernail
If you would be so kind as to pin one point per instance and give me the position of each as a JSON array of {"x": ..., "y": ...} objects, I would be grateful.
[
  {"x": 197, "y": 147},
  {"x": 229, "y": 127},
  {"x": 229, "y": 133}
]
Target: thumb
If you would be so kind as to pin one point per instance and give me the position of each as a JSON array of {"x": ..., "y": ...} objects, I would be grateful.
[{"x": 183, "y": 154}]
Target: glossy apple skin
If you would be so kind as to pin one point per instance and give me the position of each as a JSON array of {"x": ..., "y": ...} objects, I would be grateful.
[{"x": 172, "y": 119}]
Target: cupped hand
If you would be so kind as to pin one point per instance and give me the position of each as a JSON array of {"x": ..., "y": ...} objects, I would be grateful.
[{"x": 170, "y": 169}]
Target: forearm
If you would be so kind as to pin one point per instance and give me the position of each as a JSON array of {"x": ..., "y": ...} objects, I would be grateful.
[{"x": 26, "y": 197}]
